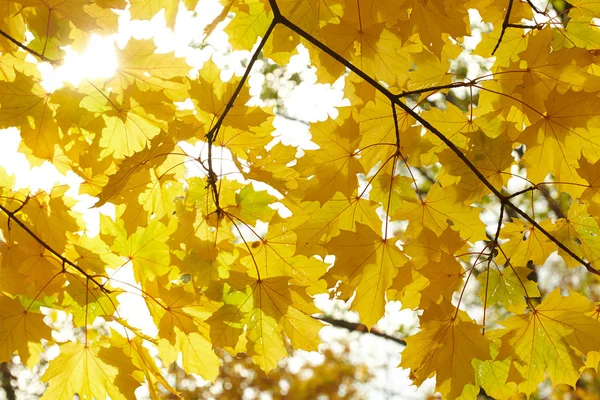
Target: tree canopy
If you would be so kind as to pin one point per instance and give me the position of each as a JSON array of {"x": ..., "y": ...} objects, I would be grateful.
[{"x": 400, "y": 198}]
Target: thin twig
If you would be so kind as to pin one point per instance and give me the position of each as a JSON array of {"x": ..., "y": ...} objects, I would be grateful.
[
  {"x": 504, "y": 25},
  {"x": 536, "y": 26},
  {"x": 358, "y": 327}
]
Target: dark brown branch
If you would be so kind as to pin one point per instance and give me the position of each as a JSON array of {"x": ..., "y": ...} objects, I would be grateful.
[
  {"x": 65, "y": 261},
  {"x": 536, "y": 26},
  {"x": 212, "y": 134},
  {"x": 495, "y": 191},
  {"x": 276, "y": 12},
  {"x": 315, "y": 42},
  {"x": 505, "y": 25},
  {"x": 383, "y": 90},
  {"x": 397, "y": 101},
  {"x": 23, "y": 204},
  {"x": 498, "y": 229},
  {"x": 27, "y": 49},
  {"x": 396, "y": 127},
  {"x": 358, "y": 327},
  {"x": 214, "y": 131}
]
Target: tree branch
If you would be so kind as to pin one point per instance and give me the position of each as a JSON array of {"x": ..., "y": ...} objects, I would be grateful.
[
  {"x": 393, "y": 97},
  {"x": 214, "y": 131},
  {"x": 65, "y": 261},
  {"x": 396, "y": 128},
  {"x": 27, "y": 49},
  {"x": 358, "y": 327},
  {"x": 505, "y": 25},
  {"x": 536, "y": 26}
]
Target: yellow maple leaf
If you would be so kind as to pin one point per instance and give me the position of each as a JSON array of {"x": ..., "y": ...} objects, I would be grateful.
[
  {"x": 211, "y": 95},
  {"x": 145, "y": 10},
  {"x": 549, "y": 340},
  {"x": 250, "y": 22},
  {"x": 311, "y": 15},
  {"x": 38, "y": 129},
  {"x": 431, "y": 70},
  {"x": 374, "y": 49},
  {"x": 140, "y": 64},
  {"x": 229, "y": 241},
  {"x": 335, "y": 164},
  {"x": 446, "y": 346},
  {"x": 509, "y": 287},
  {"x": 591, "y": 173},
  {"x": 142, "y": 359},
  {"x": 147, "y": 250},
  {"x": 431, "y": 19},
  {"x": 580, "y": 31},
  {"x": 492, "y": 157},
  {"x": 20, "y": 327},
  {"x": 438, "y": 210},
  {"x": 581, "y": 232},
  {"x": 368, "y": 262},
  {"x": 525, "y": 243},
  {"x": 269, "y": 309},
  {"x": 56, "y": 23},
  {"x": 90, "y": 370}
]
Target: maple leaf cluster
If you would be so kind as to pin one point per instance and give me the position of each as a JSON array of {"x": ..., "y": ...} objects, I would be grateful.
[{"x": 394, "y": 190}]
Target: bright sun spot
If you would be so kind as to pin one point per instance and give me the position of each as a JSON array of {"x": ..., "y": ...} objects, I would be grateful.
[{"x": 97, "y": 61}]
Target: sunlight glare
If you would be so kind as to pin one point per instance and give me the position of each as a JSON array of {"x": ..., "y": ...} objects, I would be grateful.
[{"x": 97, "y": 61}]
